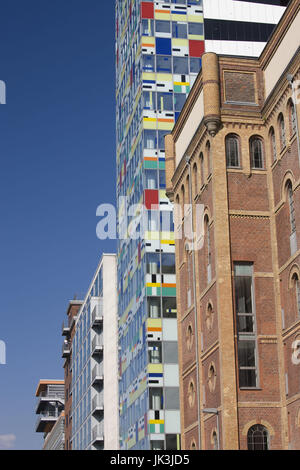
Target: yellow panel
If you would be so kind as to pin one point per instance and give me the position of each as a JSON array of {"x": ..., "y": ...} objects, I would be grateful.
[
  {"x": 154, "y": 323},
  {"x": 148, "y": 40},
  {"x": 180, "y": 42},
  {"x": 149, "y": 123},
  {"x": 155, "y": 369},
  {"x": 162, "y": 16},
  {"x": 150, "y": 76},
  {"x": 196, "y": 37},
  {"x": 166, "y": 126},
  {"x": 151, "y": 236},
  {"x": 163, "y": 77},
  {"x": 179, "y": 17},
  {"x": 195, "y": 19}
]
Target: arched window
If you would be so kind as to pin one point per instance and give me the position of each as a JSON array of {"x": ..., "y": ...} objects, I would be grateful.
[
  {"x": 273, "y": 144},
  {"x": 215, "y": 441},
  {"x": 232, "y": 151},
  {"x": 195, "y": 179},
  {"x": 281, "y": 131},
  {"x": 292, "y": 117},
  {"x": 208, "y": 156},
  {"x": 258, "y": 438},
  {"x": 290, "y": 197},
  {"x": 208, "y": 238},
  {"x": 256, "y": 153},
  {"x": 202, "y": 169},
  {"x": 295, "y": 279}
]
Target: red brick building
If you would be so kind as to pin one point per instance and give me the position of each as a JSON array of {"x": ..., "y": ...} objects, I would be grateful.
[
  {"x": 234, "y": 151},
  {"x": 68, "y": 331}
]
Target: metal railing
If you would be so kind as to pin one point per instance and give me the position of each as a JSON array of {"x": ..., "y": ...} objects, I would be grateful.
[
  {"x": 97, "y": 372},
  {"x": 98, "y": 432},
  {"x": 97, "y": 314},
  {"x": 98, "y": 402},
  {"x": 97, "y": 342}
]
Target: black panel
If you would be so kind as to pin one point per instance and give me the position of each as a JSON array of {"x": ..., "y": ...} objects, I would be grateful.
[{"x": 223, "y": 30}]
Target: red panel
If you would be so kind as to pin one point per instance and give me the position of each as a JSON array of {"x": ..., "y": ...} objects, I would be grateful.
[
  {"x": 147, "y": 10},
  {"x": 196, "y": 48},
  {"x": 151, "y": 199}
]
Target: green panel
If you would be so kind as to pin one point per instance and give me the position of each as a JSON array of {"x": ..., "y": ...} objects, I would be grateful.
[
  {"x": 169, "y": 291},
  {"x": 148, "y": 165}
]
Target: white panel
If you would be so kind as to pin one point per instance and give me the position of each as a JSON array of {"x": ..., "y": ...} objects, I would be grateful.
[
  {"x": 171, "y": 375},
  {"x": 238, "y": 48},
  {"x": 234, "y": 10},
  {"x": 282, "y": 55},
  {"x": 190, "y": 128},
  {"x": 169, "y": 329},
  {"x": 172, "y": 422}
]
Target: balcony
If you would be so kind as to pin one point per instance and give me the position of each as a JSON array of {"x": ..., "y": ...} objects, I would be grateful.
[
  {"x": 97, "y": 345},
  {"x": 46, "y": 421},
  {"x": 98, "y": 403},
  {"x": 97, "y": 316},
  {"x": 65, "y": 329},
  {"x": 98, "y": 433},
  {"x": 97, "y": 374},
  {"x": 45, "y": 398},
  {"x": 66, "y": 349}
]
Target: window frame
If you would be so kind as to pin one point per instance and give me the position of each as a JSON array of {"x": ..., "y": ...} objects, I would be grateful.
[{"x": 236, "y": 138}]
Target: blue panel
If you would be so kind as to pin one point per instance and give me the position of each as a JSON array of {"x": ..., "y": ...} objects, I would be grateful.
[{"x": 163, "y": 46}]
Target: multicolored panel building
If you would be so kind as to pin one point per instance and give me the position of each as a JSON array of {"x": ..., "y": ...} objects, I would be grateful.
[
  {"x": 159, "y": 45},
  {"x": 158, "y": 55}
]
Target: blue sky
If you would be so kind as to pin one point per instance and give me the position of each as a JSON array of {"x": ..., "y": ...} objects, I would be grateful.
[{"x": 57, "y": 154}]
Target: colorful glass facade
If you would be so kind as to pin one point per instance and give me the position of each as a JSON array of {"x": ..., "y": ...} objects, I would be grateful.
[{"x": 158, "y": 55}]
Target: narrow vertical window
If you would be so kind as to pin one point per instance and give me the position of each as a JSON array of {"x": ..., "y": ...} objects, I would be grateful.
[
  {"x": 246, "y": 325},
  {"x": 208, "y": 237},
  {"x": 273, "y": 144},
  {"x": 232, "y": 151},
  {"x": 293, "y": 124},
  {"x": 208, "y": 156},
  {"x": 256, "y": 152},
  {"x": 195, "y": 180},
  {"x": 282, "y": 131},
  {"x": 202, "y": 169},
  {"x": 297, "y": 289},
  {"x": 291, "y": 207}
]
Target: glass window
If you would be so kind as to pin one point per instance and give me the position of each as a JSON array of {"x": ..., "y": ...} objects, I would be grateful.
[
  {"x": 256, "y": 151},
  {"x": 258, "y": 438},
  {"x": 165, "y": 101},
  {"x": 164, "y": 64},
  {"x": 168, "y": 263},
  {"x": 179, "y": 30},
  {"x": 180, "y": 65},
  {"x": 232, "y": 151},
  {"x": 169, "y": 307}
]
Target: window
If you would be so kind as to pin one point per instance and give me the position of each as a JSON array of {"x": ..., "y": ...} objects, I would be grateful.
[
  {"x": 195, "y": 179},
  {"x": 208, "y": 264},
  {"x": 273, "y": 144},
  {"x": 282, "y": 131},
  {"x": 292, "y": 115},
  {"x": 208, "y": 156},
  {"x": 258, "y": 438},
  {"x": 291, "y": 207},
  {"x": 201, "y": 169},
  {"x": 232, "y": 151},
  {"x": 256, "y": 153},
  {"x": 245, "y": 321},
  {"x": 297, "y": 288}
]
